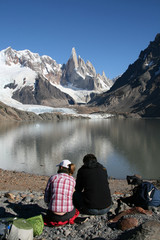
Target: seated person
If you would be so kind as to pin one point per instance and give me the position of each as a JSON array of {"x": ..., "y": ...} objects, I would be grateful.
[
  {"x": 92, "y": 195},
  {"x": 58, "y": 193}
]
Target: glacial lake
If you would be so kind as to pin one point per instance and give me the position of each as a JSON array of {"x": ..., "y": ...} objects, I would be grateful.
[{"x": 124, "y": 147}]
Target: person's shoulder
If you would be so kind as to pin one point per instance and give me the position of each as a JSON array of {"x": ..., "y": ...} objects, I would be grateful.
[
  {"x": 82, "y": 168},
  {"x": 70, "y": 179},
  {"x": 53, "y": 176},
  {"x": 65, "y": 175},
  {"x": 100, "y": 166}
]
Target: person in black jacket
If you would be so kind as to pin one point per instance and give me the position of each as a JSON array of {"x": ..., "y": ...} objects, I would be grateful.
[{"x": 92, "y": 194}]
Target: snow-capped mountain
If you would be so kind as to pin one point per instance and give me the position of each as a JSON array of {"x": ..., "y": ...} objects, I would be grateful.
[{"x": 29, "y": 78}]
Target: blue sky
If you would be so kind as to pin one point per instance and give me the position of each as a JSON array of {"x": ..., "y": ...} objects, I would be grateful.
[{"x": 108, "y": 33}]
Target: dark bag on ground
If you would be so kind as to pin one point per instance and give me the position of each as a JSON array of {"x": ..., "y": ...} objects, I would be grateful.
[
  {"x": 144, "y": 195},
  {"x": 149, "y": 194}
]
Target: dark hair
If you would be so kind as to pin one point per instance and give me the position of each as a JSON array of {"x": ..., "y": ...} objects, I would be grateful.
[
  {"x": 90, "y": 160},
  {"x": 69, "y": 170}
]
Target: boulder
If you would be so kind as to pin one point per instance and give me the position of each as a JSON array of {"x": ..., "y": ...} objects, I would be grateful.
[
  {"x": 149, "y": 230},
  {"x": 128, "y": 223}
]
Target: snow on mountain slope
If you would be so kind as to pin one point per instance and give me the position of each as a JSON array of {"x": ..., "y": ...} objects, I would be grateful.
[
  {"x": 19, "y": 69},
  {"x": 16, "y": 75},
  {"x": 79, "y": 95}
]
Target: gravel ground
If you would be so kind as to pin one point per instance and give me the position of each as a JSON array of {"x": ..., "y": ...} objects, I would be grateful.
[
  {"x": 22, "y": 194},
  {"x": 25, "y": 204},
  {"x": 21, "y": 181}
]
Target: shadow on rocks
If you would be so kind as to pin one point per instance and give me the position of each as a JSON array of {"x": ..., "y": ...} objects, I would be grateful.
[
  {"x": 147, "y": 230},
  {"x": 26, "y": 210},
  {"x": 98, "y": 238},
  {"x": 129, "y": 233},
  {"x": 4, "y": 214}
]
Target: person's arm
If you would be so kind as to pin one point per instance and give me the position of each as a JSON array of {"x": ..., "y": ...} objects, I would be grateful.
[
  {"x": 47, "y": 193},
  {"x": 79, "y": 182}
]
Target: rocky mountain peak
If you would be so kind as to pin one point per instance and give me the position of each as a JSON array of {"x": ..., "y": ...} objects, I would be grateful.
[
  {"x": 73, "y": 58},
  {"x": 43, "y": 65},
  {"x": 90, "y": 68},
  {"x": 10, "y": 56},
  {"x": 152, "y": 51},
  {"x": 83, "y": 75},
  {"x": 103, "y": 74}
]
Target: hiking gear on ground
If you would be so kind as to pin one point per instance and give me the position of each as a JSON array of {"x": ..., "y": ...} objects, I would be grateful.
[
  {"x": 149, "y": 194},
  {"x": 21, "y": 229},
  {"x": 37, "y": 224}
]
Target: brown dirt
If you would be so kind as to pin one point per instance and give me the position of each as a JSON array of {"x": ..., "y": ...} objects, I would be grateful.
[{"x": 12, "y": 180}]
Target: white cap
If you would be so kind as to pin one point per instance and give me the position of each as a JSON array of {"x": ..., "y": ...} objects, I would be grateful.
[{"x": 64, "y": 163}]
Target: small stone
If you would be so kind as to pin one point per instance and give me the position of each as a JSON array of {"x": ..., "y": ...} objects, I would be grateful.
[
  {"x": 67, "y": 232},
  {"x": 17, "y": 198},
  {"x": 27, "y": 199},
  {"x": 128, "y": 223},
  {"x": 10, "y": 196}
]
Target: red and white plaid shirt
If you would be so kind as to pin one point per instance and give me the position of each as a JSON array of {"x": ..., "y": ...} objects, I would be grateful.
[{"x": 58, "y": 193}]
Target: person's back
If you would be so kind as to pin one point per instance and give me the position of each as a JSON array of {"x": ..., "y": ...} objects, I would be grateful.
[
  {"x": 92, "y": 184},
  {"x": 61, "y": 187},
  {"x": 59, "y": 192}
]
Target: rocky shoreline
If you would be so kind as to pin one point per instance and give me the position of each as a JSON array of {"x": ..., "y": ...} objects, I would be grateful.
[{"x": 24, "y": 199}]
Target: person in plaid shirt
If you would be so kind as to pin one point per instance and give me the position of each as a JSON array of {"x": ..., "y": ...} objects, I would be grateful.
[{"x": 59, "y": 191}]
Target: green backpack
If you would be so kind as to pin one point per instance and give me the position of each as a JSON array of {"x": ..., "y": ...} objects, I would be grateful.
[{"x": 37, "y": 224}]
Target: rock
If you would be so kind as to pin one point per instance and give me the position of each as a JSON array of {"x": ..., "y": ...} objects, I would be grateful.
[
  {"x": 127, "y": 223},
  {"x": 43, "y": 94},
  {"x": 67, "y": 232},
  {"x": 131, "y": 211},
  {"x": 96, "y": 227},
  {"x": 10, "y": 196},
  {"x": 149, "y": 230}
]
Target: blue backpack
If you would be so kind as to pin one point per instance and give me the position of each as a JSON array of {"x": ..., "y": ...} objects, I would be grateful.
[{"x": 148, "y": 194}]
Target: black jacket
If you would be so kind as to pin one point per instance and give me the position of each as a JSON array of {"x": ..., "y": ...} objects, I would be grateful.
[{"x": 93, "y": 181}]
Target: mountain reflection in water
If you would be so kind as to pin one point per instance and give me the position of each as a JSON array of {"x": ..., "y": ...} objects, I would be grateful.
[{"x": 124, "y": 147}]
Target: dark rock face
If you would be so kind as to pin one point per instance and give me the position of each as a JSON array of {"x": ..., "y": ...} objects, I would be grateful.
[
  {"x": 42, "y": 94},
  {"x": 11, "y": 85},
  {"x": 11, "y": 114},
  {"x": 25, "y": 95},
  {"x": 138, "y": 89}
]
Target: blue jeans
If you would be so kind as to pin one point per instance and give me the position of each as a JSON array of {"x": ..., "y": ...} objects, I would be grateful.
[
  {"x": 90, "y": 211},
  {"x": 78, "y": 202}
]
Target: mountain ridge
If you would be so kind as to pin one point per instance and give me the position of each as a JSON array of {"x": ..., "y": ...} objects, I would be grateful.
[
  {"x": 59, "y": 85},
  {"x": 137, "y": 91}
]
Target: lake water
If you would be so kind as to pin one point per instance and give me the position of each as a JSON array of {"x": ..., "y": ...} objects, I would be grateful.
[{"x": 124, "y": 147}]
